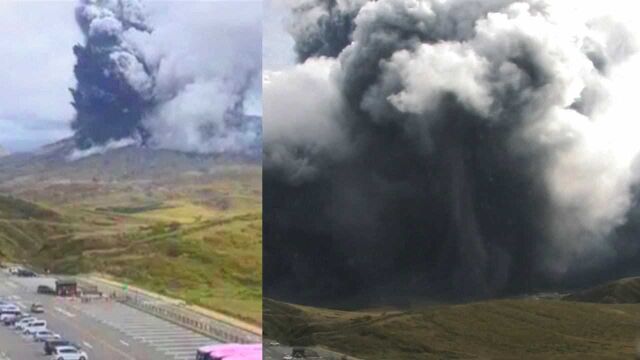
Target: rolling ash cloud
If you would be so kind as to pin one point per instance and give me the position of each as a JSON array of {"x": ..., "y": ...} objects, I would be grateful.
[
  {"x": 170, "y": 78},
  {"x": 457, "y": 149}
]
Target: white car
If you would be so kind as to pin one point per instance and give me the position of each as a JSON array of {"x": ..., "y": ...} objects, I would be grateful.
[
  {"x": 9, "y": 307},
  {"x": 22, "y": 323},
  {"x": 68, "y": 353},
  {"x": 32, "y": 328},
  {"x": 8, "y": 314},
  {"x": 44, "y": 335}
]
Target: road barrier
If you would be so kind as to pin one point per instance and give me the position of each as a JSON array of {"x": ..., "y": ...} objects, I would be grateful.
[{"x": 173, "y": 311}]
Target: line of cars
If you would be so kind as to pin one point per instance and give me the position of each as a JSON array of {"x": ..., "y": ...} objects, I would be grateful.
[{"x": 34, "y": 329}]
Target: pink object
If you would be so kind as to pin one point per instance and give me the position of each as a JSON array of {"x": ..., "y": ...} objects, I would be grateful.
[{"x": 230, "y": 352}]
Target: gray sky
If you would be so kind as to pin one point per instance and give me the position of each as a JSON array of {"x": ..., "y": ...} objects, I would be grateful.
[
  {"x": 35, "y": 48},
  {"x": 36, "y": 40},
  {"x": 277, "y": 43}
]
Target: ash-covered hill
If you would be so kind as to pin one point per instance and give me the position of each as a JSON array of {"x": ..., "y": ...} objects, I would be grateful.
[{"x": 55, "y": 162}]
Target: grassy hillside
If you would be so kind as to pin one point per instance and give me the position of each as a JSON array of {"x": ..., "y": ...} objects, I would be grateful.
[
  {"x": 25, "y": 227},
  {"x": 196, "y": 237},
  {"x": 501, "y": 329}
]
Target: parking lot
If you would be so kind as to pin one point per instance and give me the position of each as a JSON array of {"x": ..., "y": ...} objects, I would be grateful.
[{"x": 105, "y": 330}]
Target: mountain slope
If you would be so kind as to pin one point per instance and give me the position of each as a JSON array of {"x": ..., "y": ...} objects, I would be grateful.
[
  {"x": 499, "y": 329},
  {"x": 25, "y": 227},
  {"x": 623, "y": 291},
  {"x": 130, "y": 162},
  {"x": 185, "y": 225}
]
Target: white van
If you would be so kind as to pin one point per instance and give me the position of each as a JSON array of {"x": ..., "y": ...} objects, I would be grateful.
[{"x": 35, "y": 326}]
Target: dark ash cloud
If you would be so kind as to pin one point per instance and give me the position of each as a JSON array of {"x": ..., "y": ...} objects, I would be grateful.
[
  {"x": 178, "y": 76},
  {"x": 455, "y": 149}
]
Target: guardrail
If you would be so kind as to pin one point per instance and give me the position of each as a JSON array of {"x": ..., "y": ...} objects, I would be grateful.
[{"x": 174, "y": 312}]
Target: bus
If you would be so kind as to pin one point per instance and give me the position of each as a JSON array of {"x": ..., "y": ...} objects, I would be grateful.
[{"x": 230, "y": 352}]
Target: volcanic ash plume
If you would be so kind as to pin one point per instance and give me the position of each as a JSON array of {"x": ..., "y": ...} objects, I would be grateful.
[
  {"x": 182, "y": 85},
  {"x": 456, "y": 148},
  {"x": 115, "y": 85}
]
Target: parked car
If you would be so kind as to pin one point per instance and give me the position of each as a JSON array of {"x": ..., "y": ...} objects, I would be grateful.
[
  {"x": 26, "y": 273},
  {"x": 50, "y": 345},
  {"x": 34, "y": 327},
  {"x": 44, "y": 335},
  {"x": 9, "y": 307},
  {"x": 9, "y": 314},
  {"x": 37, "y": 308},
  {"x": 47, "y": 290},
  {"x": 68, "y": 353},
  {"x": 11, "y": 321},
  {"x": 22, "y": 323}
]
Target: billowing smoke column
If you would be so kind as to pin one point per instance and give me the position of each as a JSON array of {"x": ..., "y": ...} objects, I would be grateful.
[
  {"x": 115, "y": 85},
  {"x": 183, "y": 85},
  {"x": 451, "y": 149}
]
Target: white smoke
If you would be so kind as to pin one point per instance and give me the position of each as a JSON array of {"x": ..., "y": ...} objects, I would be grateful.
[
  {"x": 208, "y": 61},
  {"x": 77, "y": 154}
]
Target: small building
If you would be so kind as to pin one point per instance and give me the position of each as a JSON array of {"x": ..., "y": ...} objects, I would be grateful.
[{"x": 66, "y": 288}]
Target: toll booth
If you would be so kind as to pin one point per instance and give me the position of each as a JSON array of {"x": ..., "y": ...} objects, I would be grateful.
[{"x": 66, "y": 288}]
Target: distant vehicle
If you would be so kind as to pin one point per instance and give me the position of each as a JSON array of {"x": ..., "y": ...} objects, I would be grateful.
[
  {"x": 37, "y": 308},
  {"x": 35, "y": 326},
  {"x": 274, "y": 343},
  {"x": 287, "y": 357},
  {"x": 68, "y": 353},
  {"x": 26, "y": 273},
  {"x": 230, "y": 352},
  {"x": 13, "y": 270},
  {"x": 44, "y": 335},
  {"x": 298, "y": 352},
  {"x": 50, "y": 345},
  {"x": 47, "y": 290}
]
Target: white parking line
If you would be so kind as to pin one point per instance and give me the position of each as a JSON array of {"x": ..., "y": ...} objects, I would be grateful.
[
  {"x": 64, "y": 312},
  {"x": 124, "y": 343},
  {"x": 89, "y": 346},
  {"x": 12, "y": 284},
  {"x": 22, "y": 306}
]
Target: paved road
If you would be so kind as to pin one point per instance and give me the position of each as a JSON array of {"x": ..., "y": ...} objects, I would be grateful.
[
  {"x": 278, "y": 352},
  {"x": 105, "y": 330}
]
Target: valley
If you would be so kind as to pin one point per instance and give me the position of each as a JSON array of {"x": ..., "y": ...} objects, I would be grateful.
[{"x": 185, "y": 226}]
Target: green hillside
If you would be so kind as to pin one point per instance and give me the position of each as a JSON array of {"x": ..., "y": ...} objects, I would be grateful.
[
  {"x": 194, "y": 237},
  {"x": 500, "y": 329},
  {"x": 25, "y": 227}
]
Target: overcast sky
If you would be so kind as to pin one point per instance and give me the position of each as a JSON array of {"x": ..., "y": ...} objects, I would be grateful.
[
  {"x": 36, "y": 40},
  {"x": 277, "y": 43}
]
